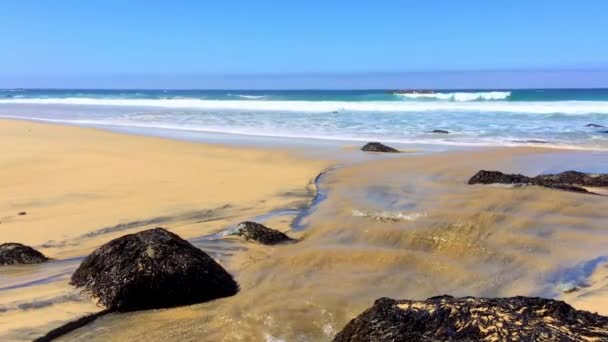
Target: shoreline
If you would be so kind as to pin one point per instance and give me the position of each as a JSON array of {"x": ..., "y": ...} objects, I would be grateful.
[{"x": 338, "y": 247}]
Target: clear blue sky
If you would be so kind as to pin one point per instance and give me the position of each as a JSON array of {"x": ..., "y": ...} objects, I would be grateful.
[{"x": 61, "y": 43}]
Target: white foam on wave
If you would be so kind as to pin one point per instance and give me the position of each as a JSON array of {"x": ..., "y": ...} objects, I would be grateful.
[
  {"x": 253, "y": 97},
  {"x": 461, "y": 96},
  {"x": 387, "y": 215},
  {"x": 561, "y": 107}
]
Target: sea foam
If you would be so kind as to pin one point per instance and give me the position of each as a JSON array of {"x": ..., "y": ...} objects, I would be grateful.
[{"x": 546, "y": 107}]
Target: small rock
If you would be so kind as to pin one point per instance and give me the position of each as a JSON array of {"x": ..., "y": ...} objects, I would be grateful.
[
  {"x": 446, "y": 318},
  {"x": 378, "y": 147},
  {"x": 22, "y": 213},
  {"x": 13, "y": 253},
  {"x": 440, "y": 131},
  {"x": 253, "y": 231}
]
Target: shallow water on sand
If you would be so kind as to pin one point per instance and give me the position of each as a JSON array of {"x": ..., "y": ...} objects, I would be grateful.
[{"x": 408, "y": 227}]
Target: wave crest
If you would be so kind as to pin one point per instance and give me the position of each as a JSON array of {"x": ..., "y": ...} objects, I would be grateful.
[{"x": 461, "y": 96}]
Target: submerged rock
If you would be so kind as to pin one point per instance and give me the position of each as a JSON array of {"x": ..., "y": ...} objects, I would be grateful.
[
  {"x": 440, "y": 131},
  {"x": 255, "y": 232},
  {"x": 569, "y": 180},
  {"x": 152, "y": 269},
  {"x": 378, "y": 147},
  {"x": 13, "y": 253},
  {"x": 446, "y": 318}
]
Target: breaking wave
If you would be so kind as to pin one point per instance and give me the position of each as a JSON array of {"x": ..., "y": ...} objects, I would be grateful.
[
  {"x": 546, "y": 107},
  {"x": 460, "y": 96}
]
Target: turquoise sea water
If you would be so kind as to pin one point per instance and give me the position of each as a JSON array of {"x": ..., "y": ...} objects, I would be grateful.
[{"x": 473, "y": 117}]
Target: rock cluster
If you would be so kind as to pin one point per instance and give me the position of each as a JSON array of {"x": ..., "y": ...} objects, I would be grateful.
[{"x": 569, "y": 180}]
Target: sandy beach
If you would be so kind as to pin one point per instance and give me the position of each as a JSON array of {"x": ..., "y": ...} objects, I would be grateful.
[
  {"x": 83, "y": 187},
  {"x": 413, "y": 230}
]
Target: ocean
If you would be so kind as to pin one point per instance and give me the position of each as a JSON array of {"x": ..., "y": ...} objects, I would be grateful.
[{"x": 550, "y": 117}]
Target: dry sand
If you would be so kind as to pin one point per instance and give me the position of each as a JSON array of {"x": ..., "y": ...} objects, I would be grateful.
[{"x": 444, "y": 237}]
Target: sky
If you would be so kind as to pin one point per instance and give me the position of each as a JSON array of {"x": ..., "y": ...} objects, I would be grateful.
[{"x": 303, "y": 44}]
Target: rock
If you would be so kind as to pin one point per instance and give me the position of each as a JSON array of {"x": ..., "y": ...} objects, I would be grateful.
[
  {"x": 446, "y": 318},
  {"x": 21, "y": 213},
  {"x": 569, "y": 180},
  {"x": 378, "y": 147},
  {"x": 440, "y": 131},
  {"x": 12, "y": 253},
  {"x": 152, "y": 269},
  {"x": 531, "y": 141},
  {"x": 496, "y": 177},
  {"x": 575, "y": 178},
  {"x": 255, "y": 232},
  {"x": 595, "y": 125}
]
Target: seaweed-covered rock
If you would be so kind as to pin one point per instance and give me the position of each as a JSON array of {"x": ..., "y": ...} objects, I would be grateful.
[
  {"x": 440, "y": 131},
  {"x": 446, "y": 318},
  {"x": 574, "y": 178},
  {"x": 13, "y": 253},
  {"x": 152, "y": 269},
  {"x": 496, "y": 177},
  {"x": 378, "y": 147},
  {"x": 252, "y": 231},
  {"x": 569, "y": 180}
]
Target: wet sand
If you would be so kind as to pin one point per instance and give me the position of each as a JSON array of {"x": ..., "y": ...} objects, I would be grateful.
[{"x": 402, "y": 227}]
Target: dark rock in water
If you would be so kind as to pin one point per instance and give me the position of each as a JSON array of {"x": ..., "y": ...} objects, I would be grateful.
[
  {"x": 569, "y": 180},
  {"x": 531, "y": 141},
  {"x": 575, "y": 178},
  {"x": 595, "y": 125},
  {"x": 378, "y": 147},
  {"x": 496, "y": 177},
  {"x": 152, "y": 269},
  {"x": 252, "y": 231},
  {"x": 446, "y": 318},
  {"x": 12, "y": 253},
  {"x": 440, "y": 131}
]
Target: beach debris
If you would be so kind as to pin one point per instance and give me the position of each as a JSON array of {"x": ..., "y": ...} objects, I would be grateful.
[
  {"x": 568, "y": 180},
  {"x": 592, "y": 125},
  {"x": 21, "y": 213},
  {"x": 384, "y": 216},
  {"x": 152, "y": 269},
  {"x": 567, "y": 287},
  {"x": 378, "y": 147},
  {"x": 446, "y": 318},
  {"x": 13, "y": 253},
  {"x": 255, "y": 232},
  {"x": 440, "y": 131}
]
